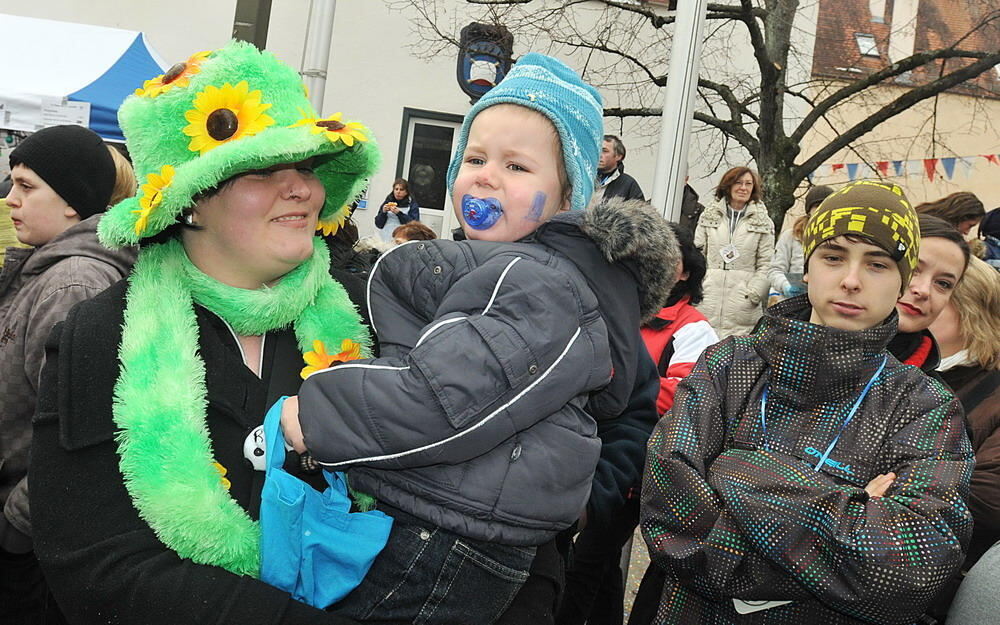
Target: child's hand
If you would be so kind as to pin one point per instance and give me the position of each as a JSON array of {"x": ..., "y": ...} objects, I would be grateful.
[
  {"x": 290, "y": 424},
  {"x": 880, "y": 485}
]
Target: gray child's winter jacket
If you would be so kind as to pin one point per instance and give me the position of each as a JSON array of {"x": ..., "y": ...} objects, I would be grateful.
[{"x": 496, "y": 359}]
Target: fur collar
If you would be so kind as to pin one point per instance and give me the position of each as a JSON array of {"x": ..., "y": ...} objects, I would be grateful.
[
  {"x": 715, "y": 213},
  {"x": 632, "y": 232}
]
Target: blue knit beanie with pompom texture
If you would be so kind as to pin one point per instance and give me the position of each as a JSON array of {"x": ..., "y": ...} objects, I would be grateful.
[{"x": 552, "y": 88}]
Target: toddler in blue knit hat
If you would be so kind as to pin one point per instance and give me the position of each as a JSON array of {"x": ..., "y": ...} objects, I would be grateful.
[
  {"x": 526, "y": 151},
  {"x": 503, "y": 360}
]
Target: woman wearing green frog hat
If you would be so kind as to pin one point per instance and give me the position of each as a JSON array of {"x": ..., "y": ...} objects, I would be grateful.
[{"x": 144, "y": 500}]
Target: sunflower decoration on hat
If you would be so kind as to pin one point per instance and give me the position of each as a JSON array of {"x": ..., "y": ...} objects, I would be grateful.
[{"x": 221, "y": 113}]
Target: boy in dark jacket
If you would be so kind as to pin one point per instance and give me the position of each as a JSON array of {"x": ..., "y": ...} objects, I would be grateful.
[
  {"x": 501, "y": 363},
  {"x": 803, "y": 474},
  {"x": 63, "y": 177}
]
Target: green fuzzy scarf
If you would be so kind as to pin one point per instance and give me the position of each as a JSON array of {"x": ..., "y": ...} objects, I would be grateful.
[{"x": 160, "y": 401}]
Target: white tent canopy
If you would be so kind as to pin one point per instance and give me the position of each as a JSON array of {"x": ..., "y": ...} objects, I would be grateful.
[{"x": 59, "y": 72}]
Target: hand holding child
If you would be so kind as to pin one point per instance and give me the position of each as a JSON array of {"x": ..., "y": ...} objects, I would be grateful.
[{"x": 290, "y": 424}]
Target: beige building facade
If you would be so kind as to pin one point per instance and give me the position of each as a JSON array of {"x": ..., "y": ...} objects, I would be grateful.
[{"x": 939, "y": 146}]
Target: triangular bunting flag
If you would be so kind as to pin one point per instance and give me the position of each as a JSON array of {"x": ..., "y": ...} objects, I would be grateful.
[
  {"x": 883, "y": 168},
  {"x": 835, "y": 167},
  {"x": 949, "y": 166},
  {"x": 852, "y": 171},
  {"x": 930, "y": 167},
  {"x": 966, "y": 163},
  {"x": 913, "y": 167},
  {"x": 992, "y": 158},
  {"x": 897, "y": 166}
]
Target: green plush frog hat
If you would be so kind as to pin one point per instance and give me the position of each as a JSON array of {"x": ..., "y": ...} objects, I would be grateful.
[{"x": 221, "y": 113}]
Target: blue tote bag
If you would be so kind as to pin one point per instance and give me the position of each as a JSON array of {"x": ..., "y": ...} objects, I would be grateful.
[{"x": 312, "y": 546}]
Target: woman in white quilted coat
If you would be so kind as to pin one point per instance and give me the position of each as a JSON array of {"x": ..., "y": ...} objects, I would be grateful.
[{"x": 737, "y": 237}]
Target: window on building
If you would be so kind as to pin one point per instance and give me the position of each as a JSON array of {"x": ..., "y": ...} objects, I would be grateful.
[{"x": 866, "y": 44}]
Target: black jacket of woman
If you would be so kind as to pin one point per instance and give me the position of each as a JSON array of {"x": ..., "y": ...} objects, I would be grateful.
[{"x": 103, "y": 562}]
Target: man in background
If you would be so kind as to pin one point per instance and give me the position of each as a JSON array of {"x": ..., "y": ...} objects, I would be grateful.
[{"x": 612, "y": 181}]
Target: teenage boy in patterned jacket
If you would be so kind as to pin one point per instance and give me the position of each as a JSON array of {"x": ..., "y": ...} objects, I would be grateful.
[{"x": 804, "y": 475}]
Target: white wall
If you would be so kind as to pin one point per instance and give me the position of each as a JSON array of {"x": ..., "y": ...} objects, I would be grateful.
[
  {"x": 372, "y": 76},
  {"x": 176, "y": 28}
]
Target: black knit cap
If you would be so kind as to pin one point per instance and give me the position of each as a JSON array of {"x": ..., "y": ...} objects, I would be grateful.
[{"x": 74, "y": 161}]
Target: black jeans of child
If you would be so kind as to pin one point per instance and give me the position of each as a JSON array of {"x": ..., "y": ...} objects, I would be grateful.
[
  {"x": 594, "y": 580},
  {"x": 429, "y": 576}
]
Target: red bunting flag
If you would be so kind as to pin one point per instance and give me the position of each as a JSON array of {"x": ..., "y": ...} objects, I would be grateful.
[
  {"x": 992, "y": 158},
  {"x": 930, "y": 166},
  {"x": 837, "y": 167},
  {"x": 883, "y": 167}
]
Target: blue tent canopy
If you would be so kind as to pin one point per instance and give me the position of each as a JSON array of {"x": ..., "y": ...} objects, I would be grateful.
[
  {"x": 108, "y": 92},
  {"x": 81, "y": 75}
]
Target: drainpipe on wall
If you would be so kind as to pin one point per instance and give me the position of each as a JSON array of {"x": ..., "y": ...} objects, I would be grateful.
[{"x": 316, "y": 53}]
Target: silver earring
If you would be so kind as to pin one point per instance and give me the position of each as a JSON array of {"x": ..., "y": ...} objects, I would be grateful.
[{"x": 189, "y": 219}]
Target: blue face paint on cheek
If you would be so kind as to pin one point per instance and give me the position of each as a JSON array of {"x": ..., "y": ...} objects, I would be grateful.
[
  {"x": 481, "y": 213},
  {"x": 537, "y": 207}
]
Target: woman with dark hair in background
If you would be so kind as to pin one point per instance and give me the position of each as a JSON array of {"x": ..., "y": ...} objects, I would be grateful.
[
  {"x": 675, "y": 338},
  {"x": 963, "y": 210},
  {"x": 736, "y": 235},
  {"x": 944, "y": 255},
  {"x": 398, "y": 208}
]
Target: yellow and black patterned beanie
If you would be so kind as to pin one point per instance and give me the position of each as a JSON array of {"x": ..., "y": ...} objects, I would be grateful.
[{"x": 878, "y": 211}]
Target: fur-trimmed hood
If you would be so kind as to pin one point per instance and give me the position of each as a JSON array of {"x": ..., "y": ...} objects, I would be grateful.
[
  {"x": 632, "y": 234},
  {"x": 756, "y": 216}
]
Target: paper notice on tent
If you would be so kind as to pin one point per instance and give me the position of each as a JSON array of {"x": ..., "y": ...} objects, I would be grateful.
[
  {"x": 21, "y": 111},
  {"x": 60, "y": 111}
]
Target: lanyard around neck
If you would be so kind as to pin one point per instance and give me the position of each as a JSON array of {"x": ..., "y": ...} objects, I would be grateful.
[
  {"x": 733, "y": 225},
  {"x": 843, "y": 426}
]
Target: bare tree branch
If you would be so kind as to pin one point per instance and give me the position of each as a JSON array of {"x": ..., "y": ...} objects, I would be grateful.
[
  {"x": 659, "y": 81},
  {"x": 896, "y": 69},
  {"x": 735, "y": 131},
  {"x": 736, "y": 108},
  {"x": 897, "y": 106},
  {"x": 624, "y": 49}
]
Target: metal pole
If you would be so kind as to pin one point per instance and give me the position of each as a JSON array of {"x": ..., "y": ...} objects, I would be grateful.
[
  {"x": 678, "y": 108},
  {"x": 316, "y": 53}
]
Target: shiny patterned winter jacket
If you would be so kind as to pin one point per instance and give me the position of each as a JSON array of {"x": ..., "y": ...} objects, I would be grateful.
[{"x": 734, "y": 506}]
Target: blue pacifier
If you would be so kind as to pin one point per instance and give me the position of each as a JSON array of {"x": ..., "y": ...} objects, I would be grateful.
[{"x": 481, "y": 213}]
